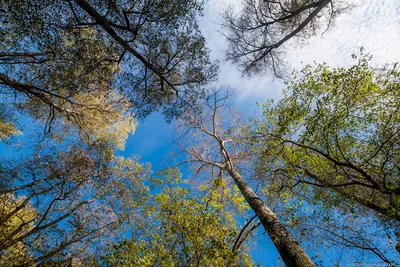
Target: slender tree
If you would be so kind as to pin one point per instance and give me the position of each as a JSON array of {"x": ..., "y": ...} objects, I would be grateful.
[
  {"x": 257, "y": 35},
  {"x": 64, "y": 59},
  {"x": 82, "y": 68},
  {"x": 216, "y": 131},
  {"x": 333, "y": 143},
  {"x": 55, "y": 205},
  {"x": 179, "y": 228},
  {"x": 337, "y": 130}
]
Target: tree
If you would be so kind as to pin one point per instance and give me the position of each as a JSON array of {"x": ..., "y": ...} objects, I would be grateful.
[
  {"x": 82, "y": 68},
  {"x": 182, "y": 62},
  {"x": 56, "y": 55},
  {"x": 338, "y": 130},
  {"x": 7, "y": 127},
  {"x": 17, "y": 253},
  {"x": 258, "y": 34},
  {"x": 51, "y": 75},
  {"x": 179, "y": 229},
  {"x": 56, "y": 205},
  {"x": 216, "y": 132},
  {"x": 333, "y": 141}
]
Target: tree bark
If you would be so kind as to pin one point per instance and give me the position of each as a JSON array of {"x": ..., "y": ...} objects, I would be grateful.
[{"x": 291, "y": 252}]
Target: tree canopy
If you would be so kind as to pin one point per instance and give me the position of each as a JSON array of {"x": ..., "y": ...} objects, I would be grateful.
[
  {"x": 72, "y": 59},
  {"x": 187, "y": 230},
  {"x": 319, "y": 169},
  {"x": 258, "y": 34},
  {"x": 214, "y": 134},
  {"x": 332, "y": 141},
  {"x": 58, "y": 203},
  {"x": 337, "y": 130}
]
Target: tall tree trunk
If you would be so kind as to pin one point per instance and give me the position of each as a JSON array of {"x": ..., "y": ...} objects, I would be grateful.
[{"x": 291, "y": 252}]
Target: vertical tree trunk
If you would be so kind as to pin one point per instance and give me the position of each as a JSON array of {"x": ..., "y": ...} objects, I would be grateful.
[{"x": 291, "y": 252}]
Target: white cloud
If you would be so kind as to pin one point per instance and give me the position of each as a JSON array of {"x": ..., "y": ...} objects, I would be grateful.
[{"x": 372, "y": 24}]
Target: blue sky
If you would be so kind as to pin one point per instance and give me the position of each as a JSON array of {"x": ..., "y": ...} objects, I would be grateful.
[{"x": 372, "y": 24}]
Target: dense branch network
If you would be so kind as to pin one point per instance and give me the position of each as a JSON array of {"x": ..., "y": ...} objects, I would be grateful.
[
  {"x": 257, "y": 34},
  {"x": 150, "y": 52},
  {"x": 215, "y": 131}
]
